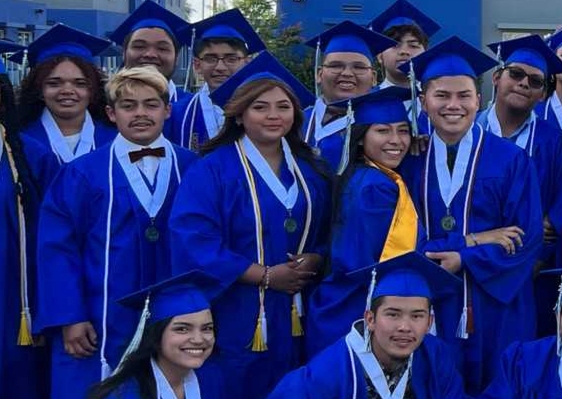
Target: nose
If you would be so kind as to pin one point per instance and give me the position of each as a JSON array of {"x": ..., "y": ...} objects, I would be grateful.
[
  {"x": 68, "y": 87},
  {"x": 347, "y": 70},
  {"x": 403, "y": 49},
  {"x": 404, "y": 326},
  {"x": 197, "y": 337},
  {"x": 453, "y": 103},
  {"x": 150, "y": 52}
]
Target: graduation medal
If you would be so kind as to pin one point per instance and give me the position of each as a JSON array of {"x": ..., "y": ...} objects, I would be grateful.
[
  {"x": 290, "y": 225},
  {"x": 448, "y": 222},
  {"x": 151, "y": 233}
]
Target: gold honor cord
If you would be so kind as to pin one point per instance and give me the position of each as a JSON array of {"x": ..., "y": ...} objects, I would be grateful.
[
  {"x": 403, "y": 232},
  {"x": 24, "y": 336},
  {"x": 259, "y": 342}
]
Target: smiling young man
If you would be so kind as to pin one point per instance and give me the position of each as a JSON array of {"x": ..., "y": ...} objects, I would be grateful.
[
  {"x": 464, "y": 187},
  {"x": 387, "y": 354},
  {"x": 346, "y": 71},
  {"x": 223, "y": 44},
  {"x": 103, "y": 233}
]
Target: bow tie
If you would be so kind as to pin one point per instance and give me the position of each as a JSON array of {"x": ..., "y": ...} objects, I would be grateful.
[{"x": 135, "y": 156}]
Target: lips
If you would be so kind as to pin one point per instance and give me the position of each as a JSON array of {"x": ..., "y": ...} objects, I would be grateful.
[
  {"x": 67, "y": 101},
  {"x": 194, "y": 351},
  {"x": 346, "y": 85},
  {"x": 142, "y": 124}
]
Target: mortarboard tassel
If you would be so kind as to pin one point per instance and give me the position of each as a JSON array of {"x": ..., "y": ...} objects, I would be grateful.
[
  {"x": 316, "y": 66},
  {"x": 366, "y": 332},
  {"x": 136, "y": 340},
  {"x": 557, "y": 309},
  {"x": 462, "y": 327},
  {"x": 433, "y": 327},
  {"x": 344, "y": 161},
  {"x": 189, "y": 60},
  {"x": 500, "y": 66},
  {"x": 414, "y": 99},
  {"x": 296, "y": 327},
  {"x": 259, "y": 343}
]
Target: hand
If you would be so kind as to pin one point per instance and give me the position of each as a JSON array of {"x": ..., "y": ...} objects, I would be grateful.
[
  {"x": 510, "y": 238},
  {"x": 307, "y": 262},
  {"x": 550, "y": 235},
  {"x": 449, "y": 260},
  {"x": 80, "y": 339},
  {"x": 419, "y": 145},
  {"x": 287, "y": 277}
]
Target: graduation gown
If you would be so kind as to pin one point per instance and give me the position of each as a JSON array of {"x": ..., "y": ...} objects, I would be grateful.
[
  {"x": 71, "y": 259},
  {"x": 550, "y": 111},
  {"x": 505, "y": 193},
  {"x": 23, "y": 369},
  {"x": 103, "y": 134},
  {"x": 331, "y": 375},
  {"x": 209, "y": 378},
  {"x": 212, "y": 226},
  {"x": 528, "y": 371},
  {"x": 359, "y": 232}
]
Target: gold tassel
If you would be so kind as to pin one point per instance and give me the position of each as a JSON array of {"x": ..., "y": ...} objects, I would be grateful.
[
  {"x": 258, "y": 344},
  {"x": 24, "y": 335},
  {"x": 296, "y": 327}
]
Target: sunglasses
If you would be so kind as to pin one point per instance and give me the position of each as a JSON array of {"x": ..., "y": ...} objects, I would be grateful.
[{"x": 518, "y": 74}]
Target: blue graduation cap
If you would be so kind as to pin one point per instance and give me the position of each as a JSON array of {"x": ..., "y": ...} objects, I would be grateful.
[
  {"x": 7, "y": 46},
  {"x": 403, "y": 13},
  {"x": 264, "y": 66},
  {"x": 62, "y": 40},
  {"x": 149, "y": 15},
  {"x": 452, "y": 57},
  {"x": 530, "y": 50},
  {"x": 379, "y": 106},
  {"x": 554, "y": 41},
  {"x": 230, "y": 24},
  {"x": 348, "y": 37}
]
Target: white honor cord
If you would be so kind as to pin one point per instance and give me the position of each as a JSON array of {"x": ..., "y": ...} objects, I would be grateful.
[{"x": 191, "y": 105}]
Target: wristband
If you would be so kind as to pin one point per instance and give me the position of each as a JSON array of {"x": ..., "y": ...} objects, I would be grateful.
[{"x": 474, "y": 238}]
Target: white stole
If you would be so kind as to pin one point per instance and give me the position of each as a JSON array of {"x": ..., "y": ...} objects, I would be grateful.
[
  {"x": 212, "y": 114},
  {"x": 524, "y": 133},
  {"x": 372, "y": 367},
  {"x": 59, "y": 145},
  {"x": 316, "y": 117},
  {"x": 554, "y": 103},
  {"x": 173, "y": 91},
  {"x": 164, "y": 389}
]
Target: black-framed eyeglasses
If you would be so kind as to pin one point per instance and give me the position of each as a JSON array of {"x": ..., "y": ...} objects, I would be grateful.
[
  {"x": 229, "y": 59},
  {"x": 356, "y": 68},
  {"x": 536, "y": 81}
]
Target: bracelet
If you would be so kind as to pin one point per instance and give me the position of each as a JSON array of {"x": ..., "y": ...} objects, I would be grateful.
[
  {"x": 474, "y": 238},
  {"x": 264, "y": 282}
]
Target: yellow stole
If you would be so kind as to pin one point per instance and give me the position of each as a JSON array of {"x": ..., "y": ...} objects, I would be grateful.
[{"x": 402, "y": 235}]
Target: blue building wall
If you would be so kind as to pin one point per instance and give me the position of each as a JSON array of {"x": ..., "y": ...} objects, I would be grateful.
[
  {"x": 459, "y": 17},
  {"x": 16, "y": 15},
  {"x": 97, "y": 22}
]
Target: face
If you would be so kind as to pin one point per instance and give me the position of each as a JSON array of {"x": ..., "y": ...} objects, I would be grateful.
[
  {"x": 187, "y": 341},
  {"x": 139, "y": 114},
  {"x": 407, "y": 48},
  {"x": 269, "y": 117},
  {"x": 559, "y": 54},
  {"x": 387, "y": 144},
  {"x": 151, "y": 46},
  {"x": 345, "y": 75},
  {"x": 66, "y": 91},
  {"x": 398, "y": 327},
  {"x": 451, "y": 103},
  {"x": 217, "y": 62},
  {"x": 517, "y": 95}
]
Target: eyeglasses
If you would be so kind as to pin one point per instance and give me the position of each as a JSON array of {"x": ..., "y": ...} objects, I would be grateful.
[
  {"x": 229, "y": 59},
  {"x": 356, "y": 68},
  {"x": 518, "y": 74}
]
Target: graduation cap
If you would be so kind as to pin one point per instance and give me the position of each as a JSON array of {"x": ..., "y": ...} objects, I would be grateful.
[
  {"x": 554, "y": 41},
  {"x": 348, "y": 37},
  {"x": 186, "y": 293},
  {"x": 264, "y": 66},
  {"x": 149, "y": 15},
  {"x": 62, "y": 40},
  {"x": 379, "y": 106},
  {"x": 230, "y": 24},
  {"x": 7, "y": 46},
  {"x": 452, "y": 57},
  {"x": 530, "y": 50},
  {"x": 403, "y": 13}
]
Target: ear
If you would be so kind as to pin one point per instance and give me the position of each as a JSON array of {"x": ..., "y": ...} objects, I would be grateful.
[
  {"x": 197, "y": 65},
  {"x": 110, "y": 111},
  {"x": 168, "y": 110},
  {"x": 319, "y": 73},
  {"x": 496, "y": 77},
  {"x": 369, "y": 317},
  {"x": 431, "y": 320},
  {"x": 423, "y": 102}
]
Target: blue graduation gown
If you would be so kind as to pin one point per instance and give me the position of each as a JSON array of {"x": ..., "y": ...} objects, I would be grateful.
[
  {"x": 211, "y": 385},
  {"x": 505, "y": 193},
  {"x": 23, "y": 369},
  {"x": 329, "y": 375},
  {"x": 71, "y": 250},
  {"x": 212, "y": 227},
  {"x": 103, "y": 133},
  {"x": 359, "y": 232},
  {"x": 330, "y": 147},
  {"x": 545, "y": 112},
  {"x": 528, "y": 371}
]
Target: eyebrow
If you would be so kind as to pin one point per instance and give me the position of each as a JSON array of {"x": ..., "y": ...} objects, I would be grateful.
[{"x": 182, "y": 323}]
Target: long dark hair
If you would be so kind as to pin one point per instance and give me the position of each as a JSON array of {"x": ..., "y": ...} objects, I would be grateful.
[
  {"x": 136, "y": 365},
  {"x": 31, "y": 92},
  {"x": 241, "y": 101}
]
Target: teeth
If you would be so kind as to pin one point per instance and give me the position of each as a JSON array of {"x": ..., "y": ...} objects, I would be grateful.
[
  {"x": 344, "y": 85},
  {"x": 393, "y": 152},
  {"x": 455, "y": 117},
  {"x": 194, "y": 351}
]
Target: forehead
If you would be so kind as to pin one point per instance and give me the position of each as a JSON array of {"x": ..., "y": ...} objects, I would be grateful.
[
  {"x": 138, "y": 91},
  {"x": 452, "y": 84},
  {"x": 273, "y": 95},
  {"x": 219, "y": 49},
  {"x": 405, "y": 303},
  {"x": 527, "y": 68},
  {"x": 151, "y": 35},
  {"x": 408, "y": 37},
  {"x": 66, "y": 67},
  {"x": 201, "y": 317},
  {"x": 346, "y": 57}
]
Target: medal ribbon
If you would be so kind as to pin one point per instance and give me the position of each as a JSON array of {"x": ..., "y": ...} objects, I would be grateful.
[
  {"x": 403, "y": 233},
  {"x": 259, "y": 343},
  {"x": 59, "y": 145},
  {"x": 164, "y": 389},
  {"x": 372, "y": 367}
]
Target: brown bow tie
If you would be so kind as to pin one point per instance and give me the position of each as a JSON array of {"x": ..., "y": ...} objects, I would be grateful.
[{"x": 135, "y": 156}]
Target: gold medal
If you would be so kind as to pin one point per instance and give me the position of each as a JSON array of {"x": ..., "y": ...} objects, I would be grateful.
[
  {"x": 290, "y": 225},
  {"x": 448, "y": 222},
  {"x": 151, "y": 234}
]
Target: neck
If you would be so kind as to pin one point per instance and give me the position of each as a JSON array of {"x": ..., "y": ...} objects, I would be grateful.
[
  {"x": 559, "y": 90},
  {"x": 271, "y": 151},
  {"x": 510, "y": 119},
  {"x": 387, "y": 363},
  {"x": 401, "y": 81},
  {"x": 70, "y": 126},
  {"x": 175, "y": 376},
  {"x": 450, "y": 138}
]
